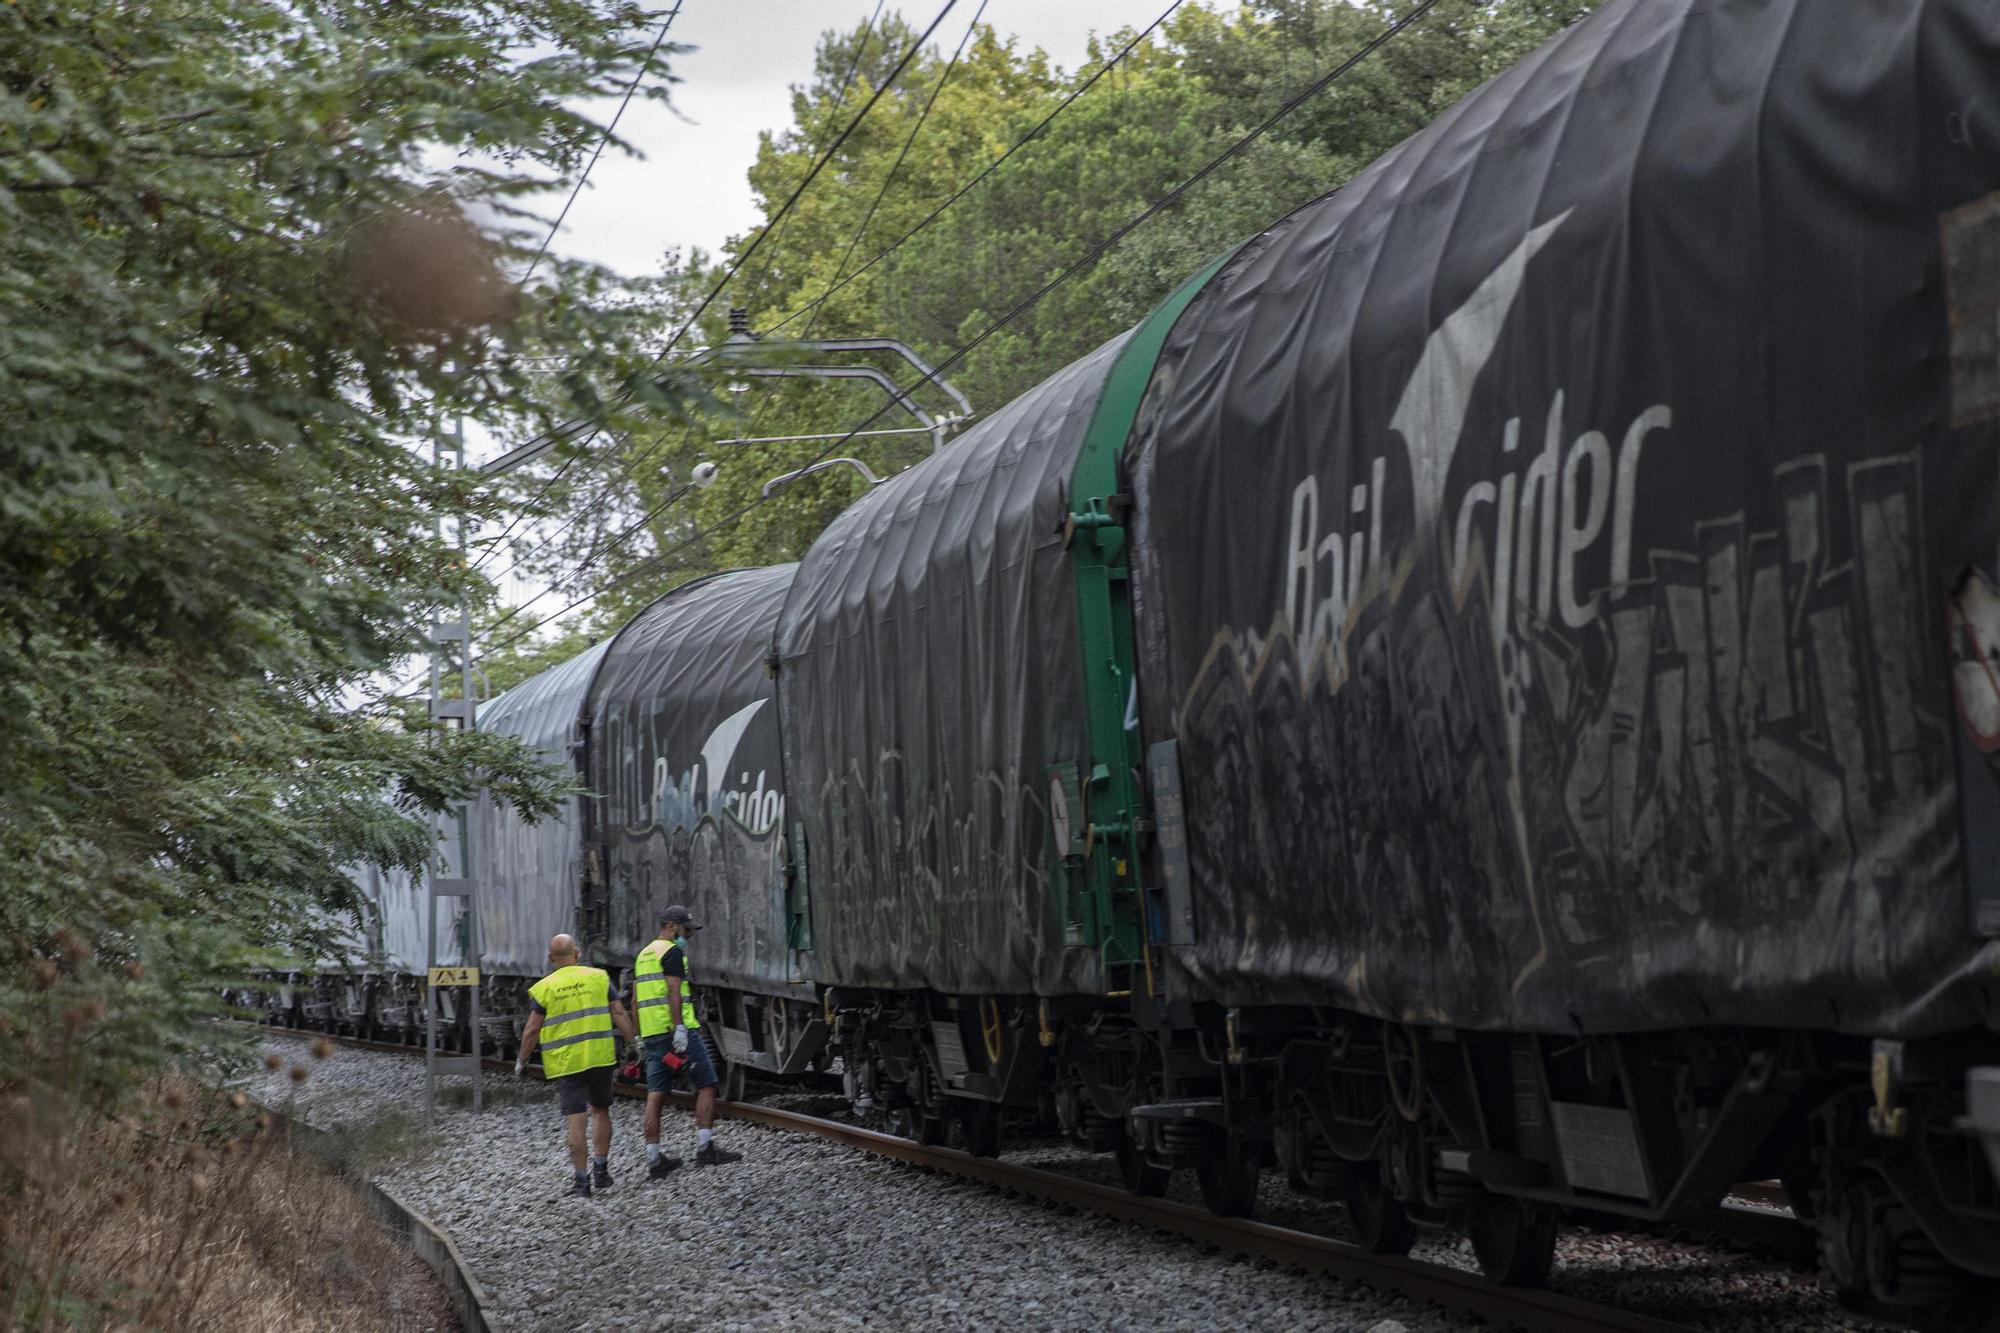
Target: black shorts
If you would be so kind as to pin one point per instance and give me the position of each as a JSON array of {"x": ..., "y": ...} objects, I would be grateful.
[
  {"x": 699, "y": 1069},
  {"x": 577, "y": 1092}
]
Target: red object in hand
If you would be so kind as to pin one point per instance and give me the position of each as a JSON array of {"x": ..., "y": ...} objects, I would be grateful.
[
  {"x": 630, "y": 1073},
  {"x": 673, "y": 1062}
]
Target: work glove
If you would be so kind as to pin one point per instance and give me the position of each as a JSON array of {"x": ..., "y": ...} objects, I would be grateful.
[
  {"x": 520, "y": 1067},
  {"x": 680, "y": 1041}
]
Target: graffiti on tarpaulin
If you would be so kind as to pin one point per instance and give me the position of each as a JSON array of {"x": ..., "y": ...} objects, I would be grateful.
[
  {"x": 1743, "y": 703},
  {"x": 728, "y": 875},
  {"x": 1749, "y": 734},
  {"x": 922, "y": 867},
  {"x": 1754, "y": 712},
  {"x": 1548, "y": 515}
]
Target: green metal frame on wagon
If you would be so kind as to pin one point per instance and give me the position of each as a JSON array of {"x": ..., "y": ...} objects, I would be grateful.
[{"x": 1099, "y": 805}]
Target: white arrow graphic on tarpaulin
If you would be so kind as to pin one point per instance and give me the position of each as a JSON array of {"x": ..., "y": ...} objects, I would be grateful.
[
  {"x": 720, "y": 749},
  {"x": 1430, "y": 416}
]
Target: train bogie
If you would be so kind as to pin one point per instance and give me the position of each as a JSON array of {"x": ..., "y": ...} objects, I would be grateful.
[{"x": 938, "y": 1068}]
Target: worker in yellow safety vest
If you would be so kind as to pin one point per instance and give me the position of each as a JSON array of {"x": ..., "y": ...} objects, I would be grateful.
[
  {"x": 575, "y": 1009},
  {"x": 669, "y": 1028}
]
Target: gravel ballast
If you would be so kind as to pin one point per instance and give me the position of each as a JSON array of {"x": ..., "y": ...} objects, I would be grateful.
[
  {"x": 807, "y": 1233},
  {"x": 802, "y": 1233}
]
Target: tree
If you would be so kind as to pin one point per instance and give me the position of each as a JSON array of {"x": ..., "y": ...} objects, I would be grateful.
[
  {"x": 237, "y": 294},
  {"x": 1193, "y": 88}
]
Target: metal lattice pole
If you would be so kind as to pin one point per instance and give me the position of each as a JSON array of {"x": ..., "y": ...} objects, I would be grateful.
[{"x": 453, "y": 878}]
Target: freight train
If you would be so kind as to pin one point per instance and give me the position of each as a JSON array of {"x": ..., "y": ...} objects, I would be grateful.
[{"x": 1485, "y": 702}]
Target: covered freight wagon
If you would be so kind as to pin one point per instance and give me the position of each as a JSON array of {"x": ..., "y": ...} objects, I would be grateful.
[
  {"x": 530, "y": 875},
  {"x": 684, "y": 764},
  {"x": 928, "y": 672},
  {"x": 1555, "y": 548}
]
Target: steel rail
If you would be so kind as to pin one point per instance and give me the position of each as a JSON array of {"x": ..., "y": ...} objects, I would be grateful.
[
  {"x": 1452, "y": 1289},
  {"x": 1425, "y": 1283}
]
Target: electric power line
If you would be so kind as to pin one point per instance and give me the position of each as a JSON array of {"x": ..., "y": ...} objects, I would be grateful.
[
  {"x": 990, "y": 168},
  {"x": 840, "y": 282},
  {"x": 854, "y": 65},
  {"x": 1096, "y": 252},
  {"x": 602, "y": 548},
  {"x": 645, "y": 67},
  {"x": 776, "y": 223},
  {"x": 917, "y": 129},
  {"x": 792, "y": 200}
]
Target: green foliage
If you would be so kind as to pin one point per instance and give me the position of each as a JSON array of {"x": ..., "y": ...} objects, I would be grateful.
[
  {"x": 237, "y": 289},
  {"x": 1196, "y": 86},
  {"x": 507, "y": 667}
]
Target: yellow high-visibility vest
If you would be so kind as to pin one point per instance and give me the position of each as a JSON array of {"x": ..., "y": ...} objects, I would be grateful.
[
  {"x": 649, "y": 991},
  {"x": 576, "y": 1020}
]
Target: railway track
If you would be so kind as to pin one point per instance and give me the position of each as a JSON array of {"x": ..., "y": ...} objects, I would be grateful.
[{"x": 1424, "y": 1283}]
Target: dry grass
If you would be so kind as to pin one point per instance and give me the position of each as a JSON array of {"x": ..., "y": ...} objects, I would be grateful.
[{"x": 189, "y": 1211}]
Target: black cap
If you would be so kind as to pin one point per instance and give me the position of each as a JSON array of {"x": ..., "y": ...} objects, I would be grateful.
[{"x": 681, "y": 917}]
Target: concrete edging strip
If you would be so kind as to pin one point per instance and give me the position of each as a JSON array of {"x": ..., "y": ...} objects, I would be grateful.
[
  {"x": 429, "y": 1242},
  {"x": 417, "y": 1234}
]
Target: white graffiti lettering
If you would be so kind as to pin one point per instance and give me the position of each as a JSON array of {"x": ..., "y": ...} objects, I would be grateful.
[{"x": 1541, "y": 523}]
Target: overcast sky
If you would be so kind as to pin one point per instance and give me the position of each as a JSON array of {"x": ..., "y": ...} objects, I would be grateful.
[{"x": 691, "y": 187}]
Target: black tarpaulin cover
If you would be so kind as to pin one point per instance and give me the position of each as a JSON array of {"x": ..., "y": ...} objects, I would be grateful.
[
  {"x": 929, "y": 678},
  {"x": 684, "y": 759},
  {"x": 1548, "y": 543}
]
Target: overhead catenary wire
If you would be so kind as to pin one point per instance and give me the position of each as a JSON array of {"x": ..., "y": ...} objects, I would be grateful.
[
  {"x": 923, "y": 116},
  {"x": 791, "y": 200},
  {"x": 846, "y": 86},
  {"x": 603, "y": 548},
  {"x": 1022, "y": 307},
  {"x": 839, "y": 282},
  {"x": 611, "y": 128},
  {"x": 908, "y": 143},
  {"x": 989, "y": 169},
  {"x": 854, "y": 65},
  {"x": 645, "y": 68},
  {"x": 776, "y": 223}
]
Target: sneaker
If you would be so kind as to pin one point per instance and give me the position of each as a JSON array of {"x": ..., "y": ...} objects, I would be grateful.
[
  {"x": 659, "y": 1168},
  {"x": 580, "y": 1187},
  {"x": 714, "y": 1156},
  {"x": 600, "y": 1176}
]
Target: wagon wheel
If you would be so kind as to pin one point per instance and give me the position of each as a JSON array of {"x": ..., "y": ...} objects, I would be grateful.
[
  {"x": 929, "y": 1122},
  {"x": 1514, "y": 1239},
  {"x": 1140, "y": 1176},
  {"x": 928, "y": 1127},
  {"x": 1378, "y": 1218},
  {"x": 980, "y": 1123},
  {"x": 1403, "y": 1060},
  {"x": 991, "y": 1028},
  {"x": 730, "y": 1086},
  {"x": 1227, "y": 1174}
]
